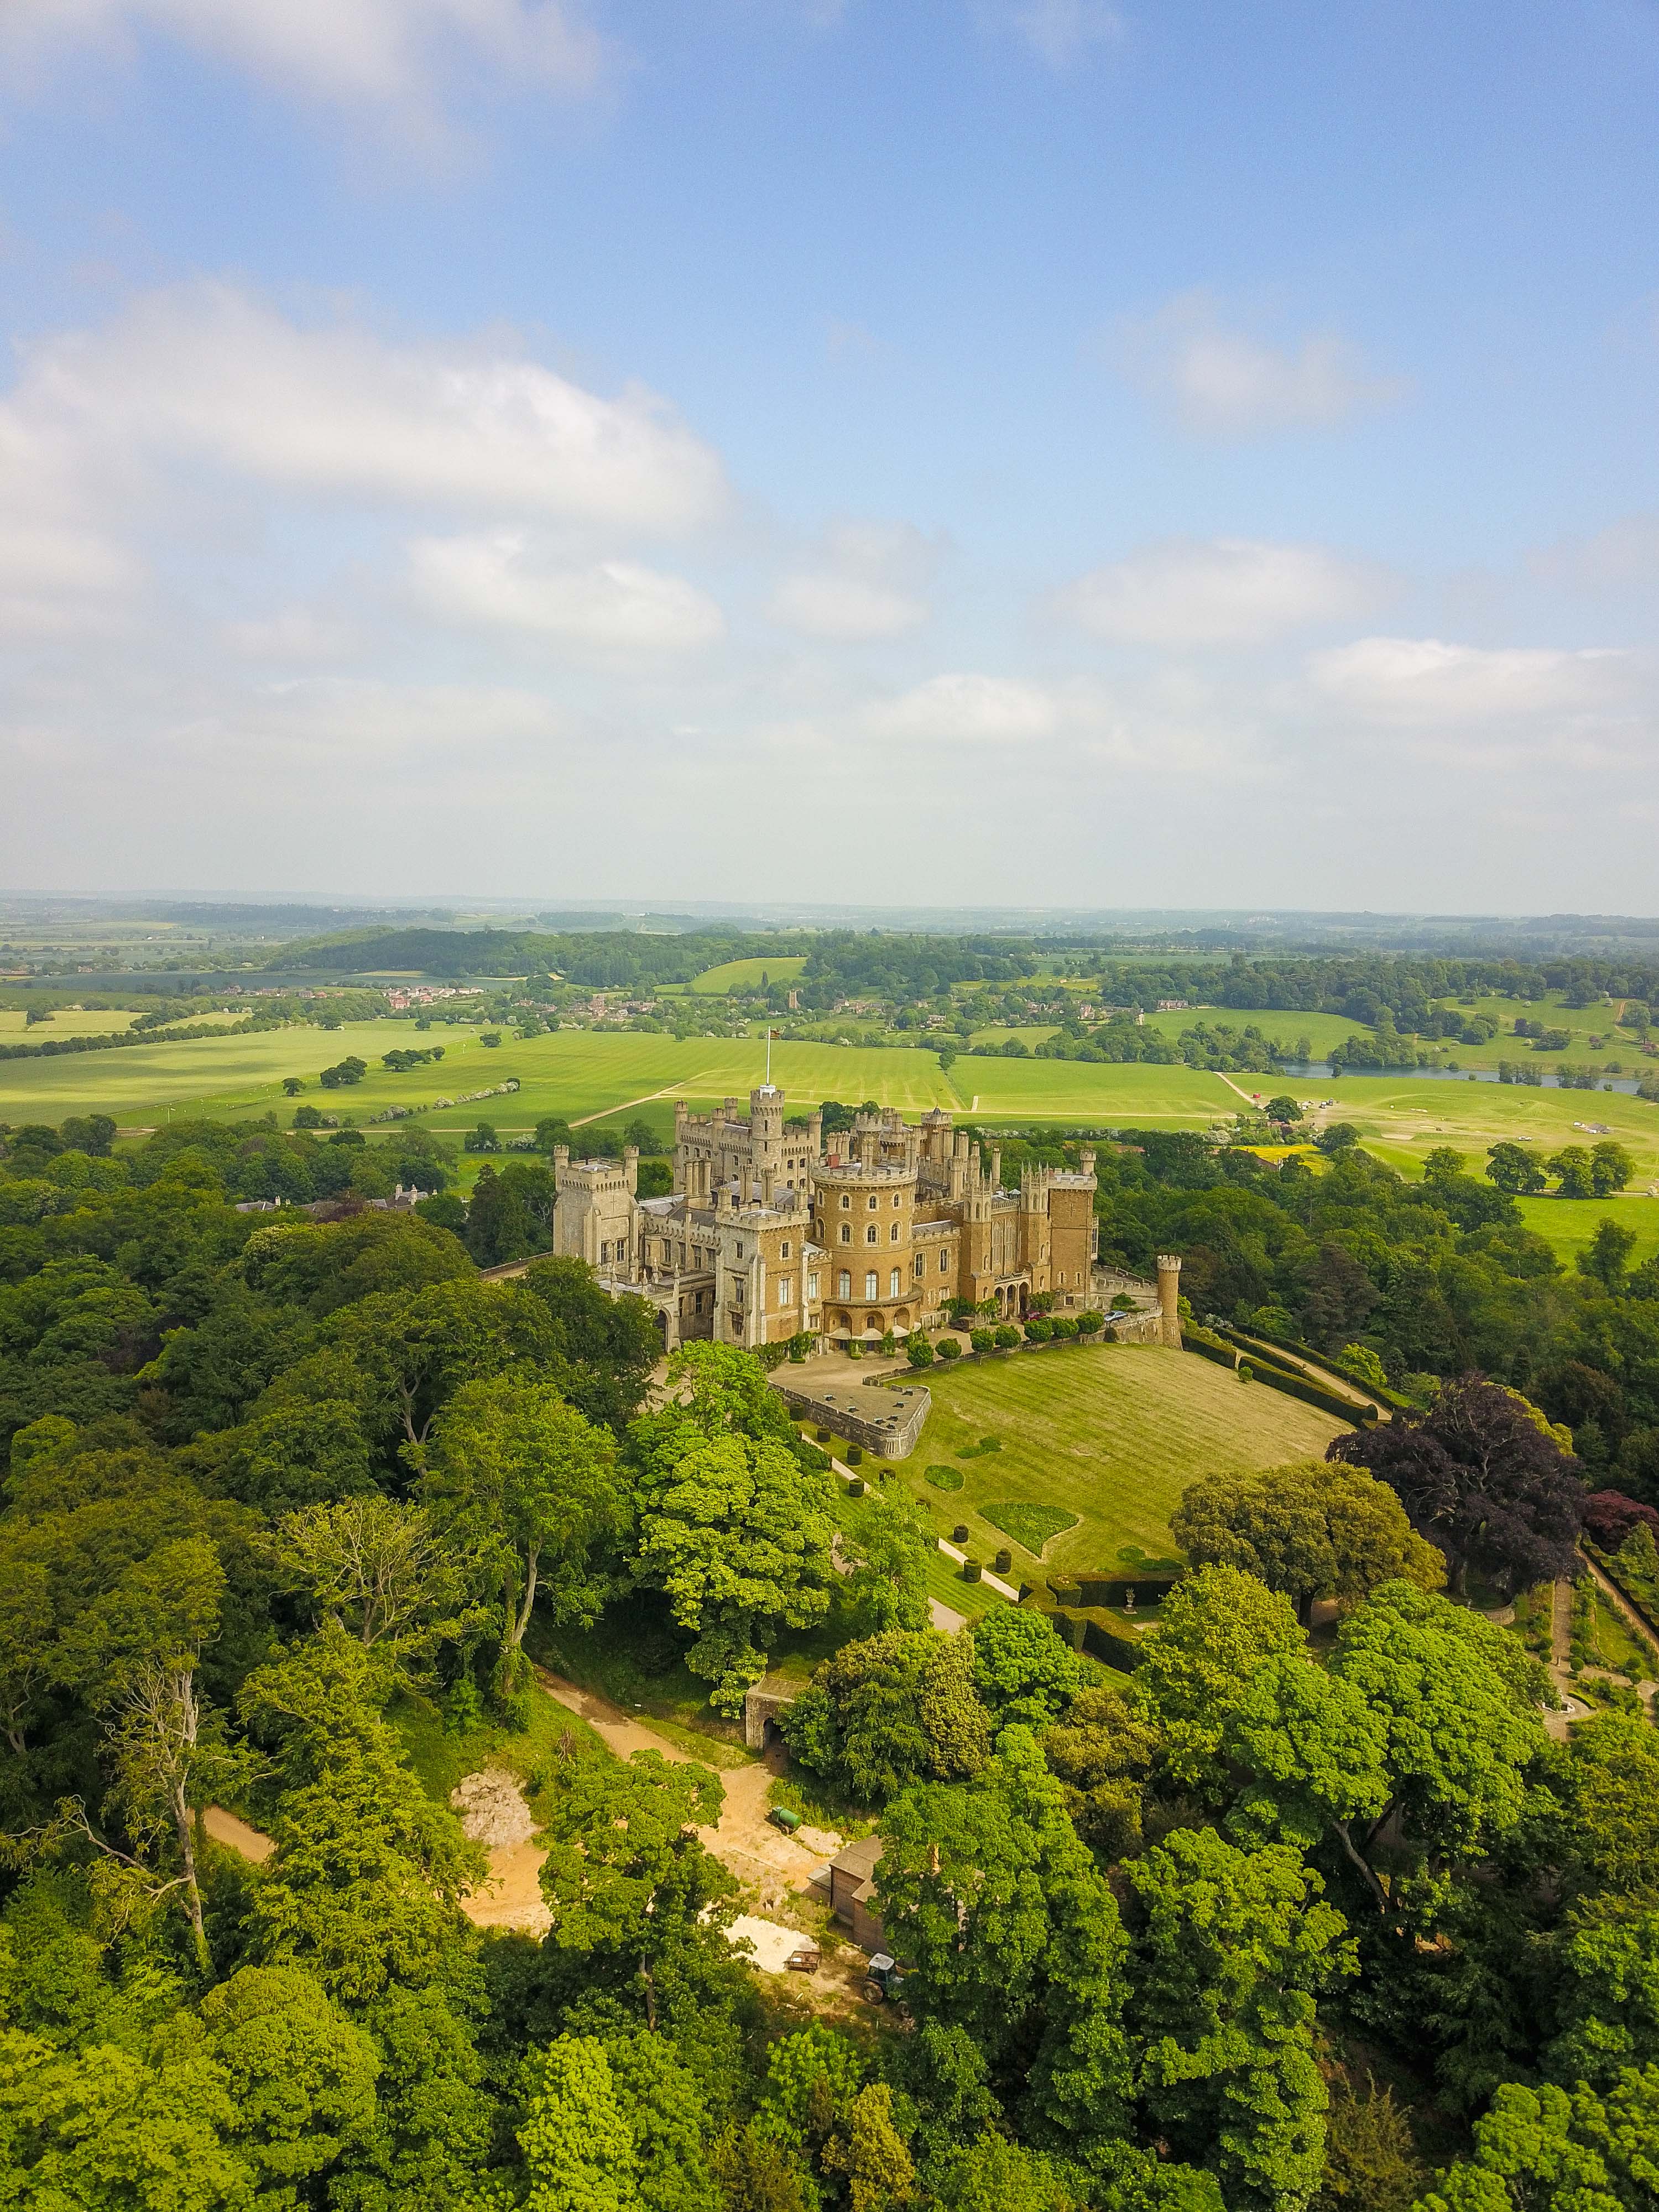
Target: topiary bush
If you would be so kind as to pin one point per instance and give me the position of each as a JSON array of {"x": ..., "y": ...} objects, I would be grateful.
[
  {"x": 1039, "y": 1331},
  {"x": 1003, "y": 1561},
  {"x": 919, "y": 1351},
  {"x": 944, "y": 1478},
  {"x": 949, "y": 1348},
  {"x": 1063, "y": 1328},
  {"x": 971, "y": 1570},
  {"x": 1007, "y": 1337},
  {"x": 982, "y": 1340},
  {"x": 856, "y": 1455},
  {"x": 960, "y": 1533},
  {"x": 824, "y": 1436},
  {"x": 1090, "y": 1323},
  {"x": 1246, "y": 1372},
  {"x": 855, "y": 1487}
]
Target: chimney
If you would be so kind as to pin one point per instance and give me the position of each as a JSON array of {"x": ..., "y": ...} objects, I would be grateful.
[
  {"x": 996, "y": 1168},
  {"x": 560, "y": 1160}
]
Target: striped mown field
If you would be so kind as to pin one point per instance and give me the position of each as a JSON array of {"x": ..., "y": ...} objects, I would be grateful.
[{"x": 1111, "y": 1433}]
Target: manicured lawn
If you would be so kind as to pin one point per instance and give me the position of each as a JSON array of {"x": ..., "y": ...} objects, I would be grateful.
[
  {"x": 1567, "y": 1225},
  {"x": 746, "y": 974},
  {"x": 1112, "y": 1434},
  {"x": 1321, "y": 1031},
  {"x": 14, "y": 1027}
]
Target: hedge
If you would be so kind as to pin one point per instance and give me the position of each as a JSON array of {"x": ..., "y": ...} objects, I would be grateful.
[
  {"x": 1238, "y": 1336},
  {"x": 1090, "y": 1629},
  {"x": 1095, "y": 1589},
  {"x": 1286, "y": 1379}
]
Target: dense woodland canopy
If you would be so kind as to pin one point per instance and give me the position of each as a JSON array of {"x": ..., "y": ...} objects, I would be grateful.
[{"x": 1262, "y": 1925}]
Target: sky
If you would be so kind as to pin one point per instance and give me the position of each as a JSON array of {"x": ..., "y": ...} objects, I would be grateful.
[{"x": 972, "y": 452}]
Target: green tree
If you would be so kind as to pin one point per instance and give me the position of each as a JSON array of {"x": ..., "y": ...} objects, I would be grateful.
[
  {"x": 363, "y": 1889},
  {"x": 890, "y": 1710},
  {"x": 1231, "y": 1950},
  {"x": 1443, "y": 1164},
  {"x": 516, "y": 1472},
  {"x": 1313, "y": 1529},
  {"x": 1515, "y": 1170},
  {"x": 1372, "y": 2163},
  {"x": 379, "y": 1570},
  {"x": 737, "y": 1535},
  {"x": 667, "y": 2114},
  {"x": 578, "y": 2148},
  {"x": 1609, "y": 1252},
  {"x": 1218, "y": 1627},
  {"x": 1024, "y": 1670},
  {"x": 631, "y": 1886},
  {"x": 1611, "y": 1166},
  {"x": 1015, "y": 1939},
  {"x": 871, "y": 2153},
  {"x": 301, "y": 2074},
  {"x": 1551, "y": 2150},
  {"x": 886, "y": 1542},
  {"x": 1573, "y": 1164},
  {"x": 1102, "y": 1753},
  {"x": 434, "y": 2121}
]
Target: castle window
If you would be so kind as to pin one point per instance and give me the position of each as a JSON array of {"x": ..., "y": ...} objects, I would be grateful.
[
  {"x": 812, "y": 1287},
  {"x": 872, "y": 1202},
  {"x": 783, "y": 1249},
  {"x": 739, "y": 1248},
  {"x": 846, "y": 1232},
  {"x": 872, "y": 1285},
  {"x": 870, "y": 1234},
  {"x": 945, "y": 1263},
  {"x": 605, "y": 1255},
  {"x": 845, "y": 1202},
  {"x": 895, "y": 1284},
  {"x": 895, "y": 1201},
  {"x": 843, "y": 1285},
  {"x": 921, "y": 1265},
  {"x": 786, "y": 1291}
]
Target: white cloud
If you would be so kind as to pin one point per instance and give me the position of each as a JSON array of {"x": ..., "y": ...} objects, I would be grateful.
[
  {"x": 396, "y": 56},
  {"x": 865, "y": 580},
  {"x": 614, "y": 605},
  {"x": 1424, "y": 684},
  {"x": 297, "y": 635},
  {"x": 211, "y": 372},
  {"x": 970, "y": 708},
  {"x": 1059, "y": 32},
  {"x": 1227, "y": 383},
  {"x": 1225, "y": 591},
  {"x": 844, "y": 608},
  {"x": 1625, "y": 553}
]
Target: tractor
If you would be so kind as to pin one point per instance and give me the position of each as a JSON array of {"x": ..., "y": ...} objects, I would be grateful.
[{"x": 884, "y": 1980}]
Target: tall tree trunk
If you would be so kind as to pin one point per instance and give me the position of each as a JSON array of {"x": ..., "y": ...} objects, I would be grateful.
[
  {"x": 517, "y": 1616},
  {"x": 184, "y": 1823}
]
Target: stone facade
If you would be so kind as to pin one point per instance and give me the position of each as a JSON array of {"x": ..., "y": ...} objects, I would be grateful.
[
  {"x": 772, "y": 1233},
  {"x": 887, "y": 1420}
]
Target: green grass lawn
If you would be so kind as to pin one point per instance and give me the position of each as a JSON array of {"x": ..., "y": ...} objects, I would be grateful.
[
  {"x": 1401, "y": 1117},
  {"x": 15, "y": 1028},
  {"x": 1092, "y": 1094},
  {"x": 1112, "y": 1434},
  {"x": 746, "y": 974}
]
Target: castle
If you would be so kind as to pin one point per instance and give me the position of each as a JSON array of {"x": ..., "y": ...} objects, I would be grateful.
[{"x": 771, "y": 1233}]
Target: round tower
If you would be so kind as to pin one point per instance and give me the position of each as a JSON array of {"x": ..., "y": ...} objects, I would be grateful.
[{"x": 1168, "y": 1298}]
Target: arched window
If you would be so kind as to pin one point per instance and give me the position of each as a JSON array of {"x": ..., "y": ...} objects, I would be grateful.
[
  {"x": 896, "y": 1232},
  {"x": 844, "y": 1284},
  {"x": 872, "y": 1285},
  {"x": 846, "y": 1232},
  {"x": 896, "y": 1283},
  {"x": 870, "y": 1234}
]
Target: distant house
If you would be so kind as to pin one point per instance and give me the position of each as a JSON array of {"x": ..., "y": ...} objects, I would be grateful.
[{"x": 853, "y": 1892}]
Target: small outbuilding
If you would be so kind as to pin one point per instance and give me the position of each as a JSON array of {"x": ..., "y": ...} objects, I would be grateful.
[{"x": 853, "y": 1892}]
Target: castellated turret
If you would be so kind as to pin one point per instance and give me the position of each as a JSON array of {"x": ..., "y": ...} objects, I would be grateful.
[{"x": 1169, "y": 1299}]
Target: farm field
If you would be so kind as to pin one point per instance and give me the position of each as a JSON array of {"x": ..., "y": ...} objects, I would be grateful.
[
  {"x": 1405, "y": 1115},
  {"x": 1092, "y": 1094},
  {"x": 1321, "y": 1031},
  {"x": 1112, "y": 1434},
  {"x": 15, "y": 1028},
  {"x": 746, "y": 974}
]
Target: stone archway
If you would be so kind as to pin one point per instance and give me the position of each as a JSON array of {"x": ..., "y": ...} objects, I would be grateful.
[{"x": 873, "y": 1325}]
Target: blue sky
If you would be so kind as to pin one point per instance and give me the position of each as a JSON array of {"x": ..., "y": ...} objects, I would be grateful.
[{"x": 967, "y": 449}]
